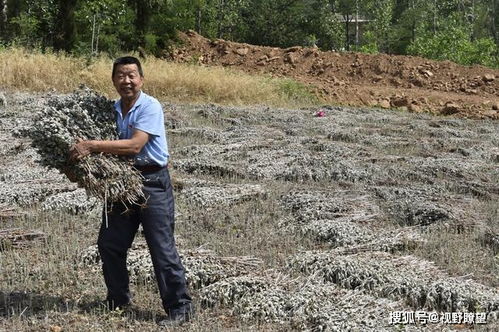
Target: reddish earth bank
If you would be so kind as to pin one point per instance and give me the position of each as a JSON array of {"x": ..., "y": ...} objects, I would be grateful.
[{"x": 405, "y": 82}]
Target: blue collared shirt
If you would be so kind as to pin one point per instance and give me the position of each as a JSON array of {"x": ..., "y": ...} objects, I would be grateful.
[{"x": 145, "y": 115}]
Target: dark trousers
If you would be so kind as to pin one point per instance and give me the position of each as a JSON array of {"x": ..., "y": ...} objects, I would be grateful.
[{"x": 157, "y": 218}]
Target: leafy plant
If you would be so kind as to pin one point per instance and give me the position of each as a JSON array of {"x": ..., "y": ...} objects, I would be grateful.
[
  {"x": 454, "y": 43},
  {"x": 294, "y": 90},
  {"x": 27, "y": 27},
  {"x": 371, "y": 46}
]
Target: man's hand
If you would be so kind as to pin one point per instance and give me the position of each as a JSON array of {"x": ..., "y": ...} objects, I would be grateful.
[
  {"x": 122, "y": 147},
  {"x": 80, "y": 150}
]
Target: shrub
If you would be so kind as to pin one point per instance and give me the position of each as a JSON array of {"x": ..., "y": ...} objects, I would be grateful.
[{"x": 454, "y": 43}]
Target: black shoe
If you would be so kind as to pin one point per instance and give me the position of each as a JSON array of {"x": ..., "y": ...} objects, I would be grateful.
[
  {"x": 175, "y": 320},
  {"x": 112, "y": 305}
]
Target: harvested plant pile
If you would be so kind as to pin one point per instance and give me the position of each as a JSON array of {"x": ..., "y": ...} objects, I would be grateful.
[
  {"x": 88, "y": 116},
  {"x": 408, "y": 278},
  {"x": 18, "y": 238},
  {"x": 203, "y": 267},
  {"x": 286, "y": 221},
  {"x": 213, "y": 195},
  {"x": 307, "y": 303},
  {"x": 73, "y": 202}
]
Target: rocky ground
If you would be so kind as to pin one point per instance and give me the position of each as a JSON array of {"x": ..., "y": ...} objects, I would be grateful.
[
  {"x": 374, "y": 197},
  {"x": 356, "y": 79}
]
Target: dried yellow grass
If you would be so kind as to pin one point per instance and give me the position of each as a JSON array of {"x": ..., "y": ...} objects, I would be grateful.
[
  {"x": 22, "y": 70},
  {"x": 40, "y": 72}
]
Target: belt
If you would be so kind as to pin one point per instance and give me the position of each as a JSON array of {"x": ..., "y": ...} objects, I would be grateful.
[{"x": 149, "y": 168}]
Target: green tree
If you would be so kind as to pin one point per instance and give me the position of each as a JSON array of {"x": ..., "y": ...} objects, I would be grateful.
[
  {"x": 33, "y": 22},
  {"x": 396, "y": 26},
  {"x": 452, "y": 41},
  {"x": 10, "y": 10},
  {"x": 274, "y": 23},
  {"x": 229, "y": 20},
  {"x": 144, "y": 10},
  {"x": 104, "y": 25},
  {"x": 493, "y": 11},
  {"x": 64, "y": 32},
  {"x": 349, "y": 10},
  {"x": 3, "y": 19},
  {"x": 319, "y": 25},
  {"x": 380, "y": 14},
  {"x": 406, "y": 18},
  {"x": 222, "y": 18}
]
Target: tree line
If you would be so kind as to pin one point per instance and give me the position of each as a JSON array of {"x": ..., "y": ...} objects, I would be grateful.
[{"x": 464, "y": 31}]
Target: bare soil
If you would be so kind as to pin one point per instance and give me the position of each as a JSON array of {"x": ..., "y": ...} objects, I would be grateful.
[{"x": 355, "y": 79}]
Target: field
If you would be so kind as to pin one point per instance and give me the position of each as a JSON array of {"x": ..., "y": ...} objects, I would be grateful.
[{"x": 285, "y": 221}]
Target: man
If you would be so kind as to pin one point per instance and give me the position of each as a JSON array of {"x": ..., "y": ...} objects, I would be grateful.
[{"x": 141, "y": 135}]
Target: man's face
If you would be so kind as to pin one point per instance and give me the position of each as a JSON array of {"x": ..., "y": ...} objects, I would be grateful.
[{"x": 128, "y": 81}]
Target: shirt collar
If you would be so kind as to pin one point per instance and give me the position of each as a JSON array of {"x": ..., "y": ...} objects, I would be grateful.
[{"x": 117, "y": 103}]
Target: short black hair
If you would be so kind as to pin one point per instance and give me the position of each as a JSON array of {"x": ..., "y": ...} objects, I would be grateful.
[{"x": 127, "y": 60}]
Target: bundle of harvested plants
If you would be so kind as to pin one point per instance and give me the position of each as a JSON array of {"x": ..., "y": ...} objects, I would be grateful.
[{"x": 86, "y": 115}]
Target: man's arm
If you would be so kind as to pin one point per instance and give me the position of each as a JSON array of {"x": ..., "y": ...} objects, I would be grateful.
[{"x": 130, "y": 146}]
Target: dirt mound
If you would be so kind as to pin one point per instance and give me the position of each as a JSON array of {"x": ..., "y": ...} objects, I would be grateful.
[{"x": 355, "y": 79}]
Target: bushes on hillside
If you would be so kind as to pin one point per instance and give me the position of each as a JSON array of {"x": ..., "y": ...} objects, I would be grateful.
[{"x": 454, "y": 44}]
